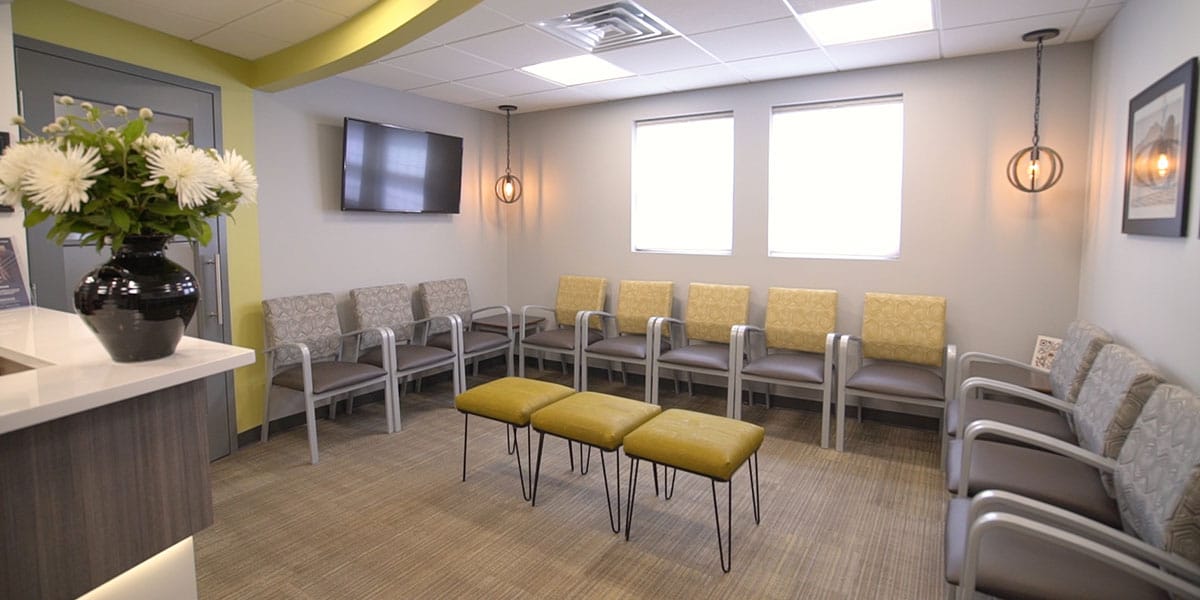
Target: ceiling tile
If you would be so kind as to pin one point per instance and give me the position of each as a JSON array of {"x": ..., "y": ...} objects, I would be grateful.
[
  {"x": 1092, "y": 22},
  {"x": 510, "y": 83},
  {"x": 759, "y": 39},
  {"x": 796, "y": 64},
  {"x": 553, "y": 99},
  {"x": 217, "y": 11},
  {"x": 476, "y": 21},
  {"x": 413, "y": 47},
  {"x": 346, "y": 8},
  {"x": 695, "y": 16},
  {"x": 962, "y": 13},
  {"x": 445, "y": 63},
  {"x": 390, "y": 77},
  {"x": 291, "y": 20},
  {"x": 454, "y": 93},
  {"x": 517, "y": 47},
  {"x": 240, "y": 41},
  {"x": 1006, "y": 35},
  {"x": 699, "y": 77},
  {"x": 627, "y": 87},
  {"x": 909, "y": 48},
  {"x": 532, "y": 11},
  {"x": 655, "y": 57},
  {"x": 153, "y": 16}
]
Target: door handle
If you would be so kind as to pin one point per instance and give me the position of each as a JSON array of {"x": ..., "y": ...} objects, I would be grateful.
[{"x": 215, "y": 261}]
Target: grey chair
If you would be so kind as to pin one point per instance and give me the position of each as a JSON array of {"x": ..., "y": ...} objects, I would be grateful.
[
  {"x": 795, "y": 348},
  {"x": 305, "y": 353},
  {"x": 390, "y": 306},
  {"x": 451, "y": 297},
  {"x": 627, "y": 334},
  {"x": 575, "y": 294},
  {"x": 1049, "y": 414},
  {"x": 1047, "y": 469},
  {"x": 1011, "y": 546}
]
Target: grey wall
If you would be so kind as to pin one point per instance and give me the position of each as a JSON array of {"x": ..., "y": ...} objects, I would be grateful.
[
  {"x": 1145, "y": 290},
  {"x": 1007, "y": 262},
  {"x": 309, "y": 245}
]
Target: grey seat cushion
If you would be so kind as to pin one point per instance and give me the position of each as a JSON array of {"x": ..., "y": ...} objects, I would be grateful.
[
  {"x": 1015, "y": 565},
  {"x": 409, "y": 357},
  {"x": 562, "y": 339},
  {"x": 473, "y": 341},
  {"x": 1049, "y": 422},
  {"x": 901, "y": 380},
  {"x": 1037, "y": 474},
  {"x": 624, "y": 346},
  {"x": 328, "y": 376},
  {"x": 799, "y": 366},
  {"x": 701, "y": 356}
]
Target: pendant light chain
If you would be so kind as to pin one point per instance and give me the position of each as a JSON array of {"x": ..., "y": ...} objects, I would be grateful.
[
  {"x": 1037, "y": 97},
  {"x": 508, "y": 140}
]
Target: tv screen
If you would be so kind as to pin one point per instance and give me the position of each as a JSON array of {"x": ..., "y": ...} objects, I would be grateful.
[{"x": 390, "y": 169}]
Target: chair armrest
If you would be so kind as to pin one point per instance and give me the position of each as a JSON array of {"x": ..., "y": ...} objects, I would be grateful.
[
  {"x": 677, "y": 329},
  {"x": 583, "y": 316},
  {"x": 849, "y": 356},
  {"x": 525, "y": 310},
  {"x": 1025, "y": 436},
  {"x": 387, "y": 341},
  {"x": 421, "y": 328},
  {"x": 950, "y": 372},
  {"x": 751, "y": 343},
  {"x": 964, "y": 362},
  {"x": 497, "y": 308},
  {"x": 982, "y": 383}
]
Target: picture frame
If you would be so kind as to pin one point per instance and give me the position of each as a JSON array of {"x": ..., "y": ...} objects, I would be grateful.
[
  {"x": 1158, "y": 155},
  {"x": 4, "y": 139},
  {"x": 1044, "y": 351}
]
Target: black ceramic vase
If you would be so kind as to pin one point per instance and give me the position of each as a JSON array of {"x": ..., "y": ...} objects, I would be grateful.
[{"x": 139, "y": 302}]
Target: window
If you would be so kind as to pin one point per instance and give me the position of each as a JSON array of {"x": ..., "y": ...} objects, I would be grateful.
[
  {"x": 835, "y": 178},
  {"x": 683, "y": 185}
]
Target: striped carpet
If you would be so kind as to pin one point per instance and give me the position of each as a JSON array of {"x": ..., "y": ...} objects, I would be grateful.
[{"x": 387, "y": 517}]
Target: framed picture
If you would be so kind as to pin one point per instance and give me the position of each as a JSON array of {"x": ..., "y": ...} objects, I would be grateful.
[
  {"x": 1158, "y": 155},
  {"x": 1044, "y": 351},
  {"x": 3, "y": 145}
]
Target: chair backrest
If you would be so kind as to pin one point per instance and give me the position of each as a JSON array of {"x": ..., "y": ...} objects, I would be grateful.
[
  {"x": 713, "y": 309},
  {"x": 637, "y": 301},
  {"x": 382, "y": 306},
  {"x": 1158, "y": 473},
  {"x": 445, "y": 297},
  {"x": 800, "y": 319},
  {"x": 1079, "y": 350},
  {"x": 311, "y": 320},
  {"x": 1112, "y": 397},
  {"x": 904, "y": 328},
  {"x": 576, "y": 293}
]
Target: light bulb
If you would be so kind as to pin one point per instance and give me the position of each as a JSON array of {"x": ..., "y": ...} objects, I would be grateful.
[
  {"x": 508, "y": 189},
  {"x": 1033, "y": 168},
  {"x": 1163, "y": 164}
]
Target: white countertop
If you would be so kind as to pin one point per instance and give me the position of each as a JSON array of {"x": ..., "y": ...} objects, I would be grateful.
[{"x": 77, "y": 374}]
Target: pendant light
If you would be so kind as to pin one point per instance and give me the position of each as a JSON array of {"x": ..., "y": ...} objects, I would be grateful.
[
  {"x": 1036, "y": 168},
  {"x": 508, "y": 186}
]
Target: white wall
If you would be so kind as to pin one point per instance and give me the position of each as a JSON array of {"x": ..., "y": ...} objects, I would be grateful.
[
  {"x": 1143, "y": 289},
  {"x": 1006, "y": 261},
  {"x": 309, "y": 245},
  {"x": 10, "y": 223}
]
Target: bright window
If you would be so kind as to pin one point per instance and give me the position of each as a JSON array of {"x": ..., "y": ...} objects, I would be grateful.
[
  {"x": 683, "y": 185},
  {"x": 835, "y": 179}
]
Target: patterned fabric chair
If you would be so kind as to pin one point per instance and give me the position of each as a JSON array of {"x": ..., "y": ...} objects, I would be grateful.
[
  {"x": 390, "y": 306},
  {"x": 451, "y": 297},
  {"x": 795, "y": 348},
  {"x": 627, "y": 334},
  {"x": 1008, "y": 545},
  {"x": 902, "y": 356},
  {"x": 712, "y": 312},
  {"x": 575, "y": 294},
  {"x": 1051, "y": 413},
  {"x": 305, "y": 354},
  {"x": 1052, "y": 470}
]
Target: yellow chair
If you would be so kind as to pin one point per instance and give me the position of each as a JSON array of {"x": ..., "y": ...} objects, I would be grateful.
[
  {"x": 628, "y": 334},
  {"x": 902, "y": 356},
  {"x": 575, "y": 294},
  {"x": 795, "y": 348},
  {"x": 712, "y": 312}
]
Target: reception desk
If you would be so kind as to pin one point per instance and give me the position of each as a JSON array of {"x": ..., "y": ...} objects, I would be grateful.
[{"x": 103, "y": 465}]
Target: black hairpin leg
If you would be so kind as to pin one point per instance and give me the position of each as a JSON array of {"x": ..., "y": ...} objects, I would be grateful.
[
  {"x": 655, "y": 467},
  {"x": 633, "y": 469},
  {"x": 725, "y": 548},
  {"x": 585, "y": 463},
  {"x": 537, "y": 472},
  {"x": 571, "y": 453},
  {"x": 755, "y": 476},
  {"x": 614, "y": 519},
  {"x": 509, "y": 441},
  {"x": 466, "y": 417},
  {"x": 669, "y": 484},
  {"x": 525, "y": 493}
]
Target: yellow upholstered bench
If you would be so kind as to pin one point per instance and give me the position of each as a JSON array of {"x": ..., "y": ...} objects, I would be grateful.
[
  {"x": 707, "y": 445},
  {"x": 598, "y": 421},
  {"x": 510, "y": 400}
]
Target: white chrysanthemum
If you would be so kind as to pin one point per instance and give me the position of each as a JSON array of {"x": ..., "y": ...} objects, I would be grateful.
[
  {"x": 239, "y": 175},
  {"x": 120, "y": 111},
  {"x": 146, "y": 114},
  {"x": 14, "y": 165},
  {"x": 152, "y": 142},
  {"x": 58, "y": 181},
  {"x": 195, "y": 176}
]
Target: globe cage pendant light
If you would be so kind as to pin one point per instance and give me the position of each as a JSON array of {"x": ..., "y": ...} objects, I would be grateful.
[
  {"x": 1036, "y": 168},
  {"x": 508, "y": 186}
]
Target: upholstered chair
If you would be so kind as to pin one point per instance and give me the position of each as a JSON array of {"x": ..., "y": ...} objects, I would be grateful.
[
  {"x": 451, "y": 297},
  {"x": 627, "y": 334},
  {"x": 795, "y": 348},
  {"x": 575, "y": 294},
  {"x": 305, "y": 346}
]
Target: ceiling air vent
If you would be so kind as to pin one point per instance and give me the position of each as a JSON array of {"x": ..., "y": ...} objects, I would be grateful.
[{"x": 608, "y": 27}]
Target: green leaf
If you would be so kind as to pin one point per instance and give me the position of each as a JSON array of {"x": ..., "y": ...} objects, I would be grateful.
[
  {"x": 34, "y": 217},
  {"x": 134, "y": 130},
  {"x": 120, "y": 218}
]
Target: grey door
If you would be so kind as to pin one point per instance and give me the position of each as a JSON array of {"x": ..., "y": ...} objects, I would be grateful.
[{"x": 45, "y": 72}]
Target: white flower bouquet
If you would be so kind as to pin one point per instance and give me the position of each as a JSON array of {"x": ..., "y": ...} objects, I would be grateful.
[{"x": 106, "y": 183}]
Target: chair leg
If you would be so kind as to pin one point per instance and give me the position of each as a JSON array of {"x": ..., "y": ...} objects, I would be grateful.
[
  {"x": 755, "y": 479},
  {"x": 614, "y": 519},
  {"x": 521, "y": 360},
  {"x": 537, "y": 472},
  {"x": 525, "y": 492},
  {"x": 350, "y": 403},
  {"x": 633, "y": 469},
  {"x": 669, "y": 484},
  {"x": 310, "y": 416},
  {"x": 826, "y": 397},
  {"x": 266, "y": 425},
  {"x": 583, "y": 374},
  {"x": 724, "y": 548},
  {"x": 466, "y": 418},
  {"x": 691, "y": 392}
]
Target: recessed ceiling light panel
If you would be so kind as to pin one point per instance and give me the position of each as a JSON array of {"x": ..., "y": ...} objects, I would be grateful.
[
  {"x": 862, "y": 21},
  {"x": 608, "y": 27},
  {"x": 584, "y": 68}
]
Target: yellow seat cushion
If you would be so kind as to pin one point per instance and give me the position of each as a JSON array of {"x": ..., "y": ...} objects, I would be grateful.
[
  {"x": 510, "y": 399},
  {"x": 700, "y": 443},
  {"x": 595, "y": 419}
]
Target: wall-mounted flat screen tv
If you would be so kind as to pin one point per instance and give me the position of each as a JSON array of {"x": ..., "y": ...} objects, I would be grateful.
[{"x": 390, "y": 169}]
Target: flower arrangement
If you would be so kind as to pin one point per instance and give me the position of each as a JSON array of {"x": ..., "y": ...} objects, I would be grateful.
[{"x": 106, "y": 183}]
